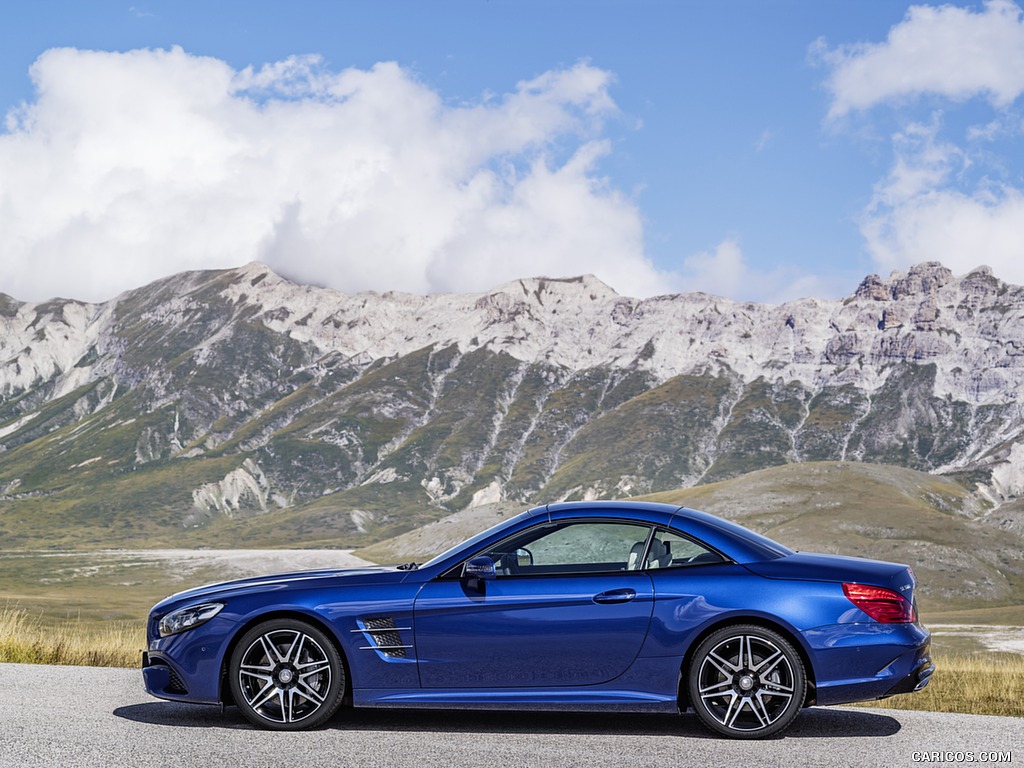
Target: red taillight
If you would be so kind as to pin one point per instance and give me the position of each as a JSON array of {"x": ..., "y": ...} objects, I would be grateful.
[{"x": 881, "y": 604}]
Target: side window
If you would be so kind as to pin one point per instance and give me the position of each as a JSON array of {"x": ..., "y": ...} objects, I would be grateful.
[
  {"x": 586, "y": 547},
  {"x": 672, "y": 550}
]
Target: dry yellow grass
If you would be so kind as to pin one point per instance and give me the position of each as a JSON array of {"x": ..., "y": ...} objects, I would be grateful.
[
  {"x": 974, "y": 685},
  {"x": 26, "y": 639},
  {"x": 977, "y": 685}
]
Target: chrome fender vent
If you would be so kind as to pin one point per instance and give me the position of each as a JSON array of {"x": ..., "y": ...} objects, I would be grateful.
[{"x": 384, "y": 636}]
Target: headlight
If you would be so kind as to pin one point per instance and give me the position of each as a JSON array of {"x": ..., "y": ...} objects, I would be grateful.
[{"x": 188, "y": 618}]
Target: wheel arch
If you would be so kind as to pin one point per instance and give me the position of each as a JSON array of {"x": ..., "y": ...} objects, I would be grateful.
[
  {"x": 811, "y": 695},
  {"x": 224, "y": 689}
]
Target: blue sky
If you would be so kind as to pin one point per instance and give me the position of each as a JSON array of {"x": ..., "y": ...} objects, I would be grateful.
[{"x": 762, "y": 150}]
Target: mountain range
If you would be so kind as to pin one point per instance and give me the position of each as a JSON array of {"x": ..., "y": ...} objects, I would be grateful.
[{"x": 237, "y": 407}]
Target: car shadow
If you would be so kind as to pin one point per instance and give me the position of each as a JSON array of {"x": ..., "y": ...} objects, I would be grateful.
[{"x": 812, "y": 723}]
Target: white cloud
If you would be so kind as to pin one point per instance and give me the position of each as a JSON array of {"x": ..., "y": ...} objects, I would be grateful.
[
  {"x": 921, "y": 212},
  {"x": 130, "y": 166},
  {"x": 944, "y": 200},
  {"x": 721, "y": 272},
  {"x": 764, "y": 140},
  {"x": 962, "y": 232},
  {"x": 921, "y": 163},
  {"x": 948, "y": 51},
  {"x": 725, "y": 272}
]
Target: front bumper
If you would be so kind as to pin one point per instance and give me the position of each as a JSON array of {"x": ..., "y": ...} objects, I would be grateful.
[
  {"x": 187, "y": 666},
  {"x": 162, "y": 679}
]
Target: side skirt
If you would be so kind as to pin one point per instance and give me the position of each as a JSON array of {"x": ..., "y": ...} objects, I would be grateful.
[
  {"x": 546, "y": 699},
  {"x": 649, "y": 685}
]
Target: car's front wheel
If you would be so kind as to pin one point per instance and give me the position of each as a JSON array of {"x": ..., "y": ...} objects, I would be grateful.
[
  {"x": 286, "y": 674},
  {"x": 746, "y": 682}
]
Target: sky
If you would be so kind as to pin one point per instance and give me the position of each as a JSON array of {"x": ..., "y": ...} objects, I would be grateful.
[{"x": 762, "y": 150}]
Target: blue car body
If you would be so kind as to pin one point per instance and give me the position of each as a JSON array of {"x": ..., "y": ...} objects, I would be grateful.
[{"x": 620, "y": 636}]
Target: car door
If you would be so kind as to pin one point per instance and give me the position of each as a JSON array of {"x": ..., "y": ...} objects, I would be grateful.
[{"x": 567, "y": 606}]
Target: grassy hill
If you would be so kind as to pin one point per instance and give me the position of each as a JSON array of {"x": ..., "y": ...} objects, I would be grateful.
[
  {"x": 964, "y": 559},
  {"x": 961, "y": 556}
]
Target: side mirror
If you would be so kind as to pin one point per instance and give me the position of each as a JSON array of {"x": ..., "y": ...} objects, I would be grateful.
[{"x": 480, "y": 567}]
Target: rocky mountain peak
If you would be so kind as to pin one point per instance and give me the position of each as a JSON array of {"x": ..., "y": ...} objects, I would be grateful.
[
  {"x": 872, "y": 289},
  {"x": 583, "y": 287},
  {"x": 921, "y": 280}
]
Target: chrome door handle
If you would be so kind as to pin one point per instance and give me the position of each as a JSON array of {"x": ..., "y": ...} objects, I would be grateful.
[{"x": 615, "y": 596}]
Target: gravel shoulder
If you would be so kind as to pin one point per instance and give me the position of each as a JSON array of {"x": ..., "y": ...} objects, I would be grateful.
[{"x": 85, "y": 716}]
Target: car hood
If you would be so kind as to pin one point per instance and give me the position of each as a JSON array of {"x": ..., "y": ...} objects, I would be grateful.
[
  {"x": 332, "y": 577},
  {"x": 811, "y": 566}
]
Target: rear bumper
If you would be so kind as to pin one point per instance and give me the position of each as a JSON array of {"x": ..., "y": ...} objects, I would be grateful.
[
  {"x": 862, "y": 662},
  {"x": 917, "y": 679}
]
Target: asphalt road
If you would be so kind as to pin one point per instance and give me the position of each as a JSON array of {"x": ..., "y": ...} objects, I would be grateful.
[{"x": 84, "y": 716}]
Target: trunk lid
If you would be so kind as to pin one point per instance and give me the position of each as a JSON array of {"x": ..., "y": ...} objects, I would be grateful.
[{"x": 811, "y": 566}]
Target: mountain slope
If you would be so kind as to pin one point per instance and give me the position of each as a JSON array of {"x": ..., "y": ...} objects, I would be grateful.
[{"x": 237, "y": 407}]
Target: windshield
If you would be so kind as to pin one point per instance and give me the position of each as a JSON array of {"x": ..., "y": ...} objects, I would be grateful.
[{"x": 469, "y": 543}]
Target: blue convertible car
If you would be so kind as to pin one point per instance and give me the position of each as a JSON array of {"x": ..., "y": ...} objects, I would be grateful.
[{"x": 579, "y": 606}]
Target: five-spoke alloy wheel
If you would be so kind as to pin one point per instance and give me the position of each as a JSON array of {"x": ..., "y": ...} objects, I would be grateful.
[
  {"x": 746, "y": 682},
  {"x": 286, "y": 674}
]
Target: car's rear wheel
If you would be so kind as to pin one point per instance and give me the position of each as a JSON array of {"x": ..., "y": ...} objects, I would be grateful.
[
  {"x": 746, "y": 682},
  {"x": 285, "y": 674}
]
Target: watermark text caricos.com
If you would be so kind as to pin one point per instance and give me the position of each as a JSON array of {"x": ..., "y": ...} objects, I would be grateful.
[{"x": 960, "y": 756}]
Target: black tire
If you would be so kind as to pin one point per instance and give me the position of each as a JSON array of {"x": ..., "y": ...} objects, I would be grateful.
[
  {"x": 286, "y": 675},
  {"x": 746, "y": 682}
]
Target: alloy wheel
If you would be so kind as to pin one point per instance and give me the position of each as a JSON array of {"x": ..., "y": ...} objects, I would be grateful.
[
  {"x": 747, "y": 682},
  {"x": 286, "y": 675}
]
